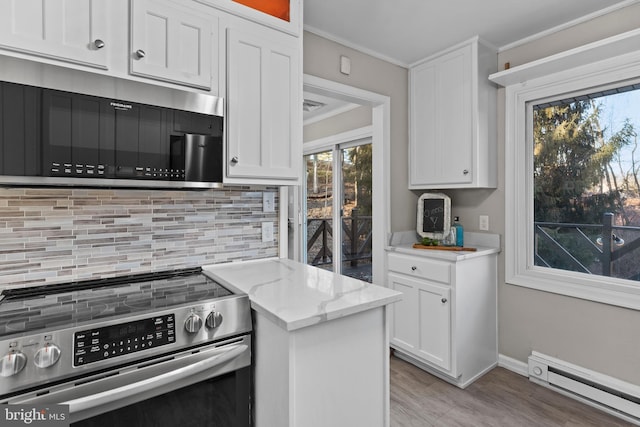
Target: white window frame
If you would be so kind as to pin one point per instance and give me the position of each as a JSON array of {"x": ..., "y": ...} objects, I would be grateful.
[{"x": 540, "y": 80}]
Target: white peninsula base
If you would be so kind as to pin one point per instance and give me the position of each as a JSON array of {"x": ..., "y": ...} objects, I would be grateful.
[
  {"x": 321, "y": 344},
  {"x": 332, "y": 374}
]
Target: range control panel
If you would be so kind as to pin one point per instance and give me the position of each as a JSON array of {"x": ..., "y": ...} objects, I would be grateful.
[{"x": 108, "y": 342}]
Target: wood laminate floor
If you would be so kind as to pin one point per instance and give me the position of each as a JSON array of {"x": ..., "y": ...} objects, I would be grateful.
[{"x": 499, "y": 398}]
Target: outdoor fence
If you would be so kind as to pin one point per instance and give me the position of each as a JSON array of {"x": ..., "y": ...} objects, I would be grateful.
[
  {"x": 604, "y": 249},
  {"x": 356, "y": 240}
]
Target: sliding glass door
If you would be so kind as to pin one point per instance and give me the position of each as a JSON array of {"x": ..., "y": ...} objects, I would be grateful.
[{"x": 339, "y": 191}]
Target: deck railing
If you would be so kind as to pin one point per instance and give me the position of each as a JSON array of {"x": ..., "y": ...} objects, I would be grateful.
[
  {"x": 589, "y": 248},
  {"x": 356, "y": 239}
]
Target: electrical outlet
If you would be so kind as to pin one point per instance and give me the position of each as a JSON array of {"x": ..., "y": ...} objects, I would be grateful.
[
  {"x": 268, "y": 202},
  {"x": 484, "y": 222},
  {"x": 267, "y": 232}
]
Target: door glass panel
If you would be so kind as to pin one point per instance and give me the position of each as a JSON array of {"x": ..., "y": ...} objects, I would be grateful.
[
  {"x": 320, "y": 209},
  {"x": 356, "y": 212}
]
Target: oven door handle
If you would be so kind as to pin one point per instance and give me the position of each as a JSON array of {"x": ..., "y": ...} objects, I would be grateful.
[{"x": 105, "y": 397}]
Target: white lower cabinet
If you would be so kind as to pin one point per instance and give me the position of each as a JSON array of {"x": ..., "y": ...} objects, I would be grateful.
[
  {"x": 428, "y": 335},
  {"x": 446, "y": 321}
]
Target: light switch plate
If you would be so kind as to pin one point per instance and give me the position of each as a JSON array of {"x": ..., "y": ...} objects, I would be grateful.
[
  {"x": 484, "y": 222},
  {"x": 267, "y": 232},
  {"x": 268, "y": 202}
]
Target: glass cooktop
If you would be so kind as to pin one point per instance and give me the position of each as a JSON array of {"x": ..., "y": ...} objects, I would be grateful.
[{"x": 53, "y": 307}]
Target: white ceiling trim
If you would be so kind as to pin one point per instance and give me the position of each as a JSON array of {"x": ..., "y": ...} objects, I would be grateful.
[
  {"x": 508, "y": 46},
  {"x": 357, "y": 47},
  {"x": 329, "y": 114},
  {"x": 567, "y": 25}
]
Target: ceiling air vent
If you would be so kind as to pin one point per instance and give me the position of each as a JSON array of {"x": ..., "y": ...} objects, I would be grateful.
[{"x": 309, "y": 105}]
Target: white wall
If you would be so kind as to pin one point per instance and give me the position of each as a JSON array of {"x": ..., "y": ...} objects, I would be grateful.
[
  {"x": 597, "y": 336},
  {"x": 357, "y": 118},
  {"x": 322, "y": 59}
]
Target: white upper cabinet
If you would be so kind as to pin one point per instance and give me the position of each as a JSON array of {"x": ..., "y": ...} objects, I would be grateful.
[
  {"x": 452, "y": 119},
  {"x": 173, "y": 44},
  {"x": 264, "y": 105},
  {"x": 74, "y": 31}
]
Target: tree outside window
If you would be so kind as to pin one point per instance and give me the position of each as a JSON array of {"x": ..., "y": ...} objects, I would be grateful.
[{"x": 586, "y": 183}]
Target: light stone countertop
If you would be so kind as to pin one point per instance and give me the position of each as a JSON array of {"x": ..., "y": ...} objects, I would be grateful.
[
  {"x": 484, "y": 243},
  {"x": 296, "y": 295}
]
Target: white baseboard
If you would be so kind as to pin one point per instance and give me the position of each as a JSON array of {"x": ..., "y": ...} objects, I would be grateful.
[{"x": 513, "y": 365}]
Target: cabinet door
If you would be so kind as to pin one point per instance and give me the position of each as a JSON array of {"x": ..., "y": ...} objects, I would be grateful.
[
  {"x": 442, "y": 146},
  {"x": 264, "y": 113},
  {"x": 172, "y": 44},
  {"x": 66, "y": 30},
  {"x": 421, "y": 321},
  {"x": 435, "y": 324},
  {"x": 404, "y": 313}
]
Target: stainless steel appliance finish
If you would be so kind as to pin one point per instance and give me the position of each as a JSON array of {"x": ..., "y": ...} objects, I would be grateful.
[
  {"x": 123, "y": 344},
  {"x": 108, "y": 132},
  {"x": 61, "y": 78}
]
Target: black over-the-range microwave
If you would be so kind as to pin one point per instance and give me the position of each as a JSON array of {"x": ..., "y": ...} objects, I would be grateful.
[{"x": 58, "y": 137}]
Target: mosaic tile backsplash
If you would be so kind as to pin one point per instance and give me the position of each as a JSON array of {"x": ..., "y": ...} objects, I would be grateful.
[{"x": 53, "y": 235}]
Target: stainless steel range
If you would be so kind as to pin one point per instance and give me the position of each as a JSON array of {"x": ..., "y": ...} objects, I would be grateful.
[{"x": 171, "y": 348}]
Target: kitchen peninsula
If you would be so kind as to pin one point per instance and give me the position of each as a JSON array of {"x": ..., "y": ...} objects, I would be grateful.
[{"x": 321, "y": 349}]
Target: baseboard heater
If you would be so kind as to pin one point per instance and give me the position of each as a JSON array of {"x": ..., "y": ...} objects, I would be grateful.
[{"x": 609, "y": 394}]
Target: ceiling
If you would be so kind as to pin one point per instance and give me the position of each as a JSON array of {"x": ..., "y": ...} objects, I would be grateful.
[
  {"x": 406, "y": 31},
  {"x": 318, "y": 107}
]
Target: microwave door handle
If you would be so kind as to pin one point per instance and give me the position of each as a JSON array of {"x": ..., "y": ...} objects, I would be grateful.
[{"x": 105, "y": 397}]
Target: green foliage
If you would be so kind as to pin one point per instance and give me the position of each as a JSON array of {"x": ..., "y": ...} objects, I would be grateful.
[
  {"x": 571, "y": 159},
  {"x": 573, "y": 243},
  {"x": 357, "y": 168}
]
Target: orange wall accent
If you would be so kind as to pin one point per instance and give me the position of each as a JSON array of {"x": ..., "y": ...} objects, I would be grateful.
[{"x": 277, "y": 8}]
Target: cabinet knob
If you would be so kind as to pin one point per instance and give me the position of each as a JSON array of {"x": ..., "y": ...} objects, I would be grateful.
[
  {"x": 444, "y": 300},
  {"x": 465, "y": 172},
  {"x": 99, "y": 44},
  {"x": 140, "y": 53},
  {"x": 234, "y": 160},
  {"x": 414, "y": 268}
]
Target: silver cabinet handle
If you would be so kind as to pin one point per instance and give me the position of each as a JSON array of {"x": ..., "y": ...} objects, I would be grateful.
[
  {"x": 99, "y": 44},
  {"x": 465, "y": 172},
  {"x": 444, "y": 300},
  {"x": 234, "y": 160},
  {"x": 140, "y": 53},
  {"x": 414, "y": 268}
]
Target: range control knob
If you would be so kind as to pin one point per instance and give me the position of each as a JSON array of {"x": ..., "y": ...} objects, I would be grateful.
[
  {"x": 47, "y": 356},
  {"x": 214, "y": 319},
  {"x": 193, "y": 323},
  {"x": 12, "y": 363}
]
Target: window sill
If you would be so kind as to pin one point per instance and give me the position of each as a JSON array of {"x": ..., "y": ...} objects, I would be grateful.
[{"x": 599, "y": 289}]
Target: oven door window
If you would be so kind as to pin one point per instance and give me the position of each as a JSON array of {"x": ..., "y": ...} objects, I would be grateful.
[{"x": 218, "y": 402}]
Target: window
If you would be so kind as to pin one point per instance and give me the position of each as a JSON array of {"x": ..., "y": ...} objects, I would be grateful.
[
  {"x": 572, "y": 179},
  {"x": 586, "y": 189}
]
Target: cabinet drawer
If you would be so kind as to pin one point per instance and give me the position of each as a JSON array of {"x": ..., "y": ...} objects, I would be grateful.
[{"x": 420, "y": 267}]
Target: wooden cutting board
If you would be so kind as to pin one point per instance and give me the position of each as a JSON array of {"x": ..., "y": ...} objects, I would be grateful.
[{"x": 444, "y": 248}]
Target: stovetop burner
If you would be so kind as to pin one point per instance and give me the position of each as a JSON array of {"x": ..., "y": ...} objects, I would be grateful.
[{"x": 24, "y": 310}]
